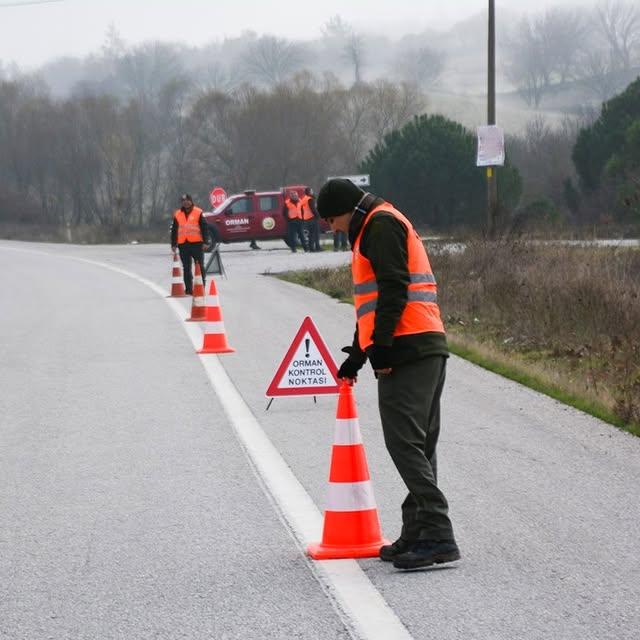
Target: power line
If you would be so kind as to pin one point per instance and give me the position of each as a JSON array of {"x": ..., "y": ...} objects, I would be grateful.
[{"x": 26, "y": 2}]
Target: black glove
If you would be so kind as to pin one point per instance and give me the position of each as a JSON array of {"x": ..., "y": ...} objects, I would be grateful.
[
  {"x": 380, "y": 356},
  {"x": 350, "y": 367}
]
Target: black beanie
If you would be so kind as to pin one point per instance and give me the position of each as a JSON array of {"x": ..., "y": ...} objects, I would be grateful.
[{"x": 338, "y": 196}]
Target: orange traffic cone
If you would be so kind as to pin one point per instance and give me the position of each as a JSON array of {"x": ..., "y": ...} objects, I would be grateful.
[
  {"x": 351, "y": 524},
  {"x": 215, "y": 340},
  {"x": 177, "y": 285},
  {"x": 197, "y": 306}
]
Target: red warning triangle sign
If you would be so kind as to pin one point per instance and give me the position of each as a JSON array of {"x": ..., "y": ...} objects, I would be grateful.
[{"x": 307, "y": 368}]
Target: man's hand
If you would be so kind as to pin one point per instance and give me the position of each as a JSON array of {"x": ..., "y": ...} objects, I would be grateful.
[
  {"x": 380, "y": 358},
  {"x": 349, "y": 368}
]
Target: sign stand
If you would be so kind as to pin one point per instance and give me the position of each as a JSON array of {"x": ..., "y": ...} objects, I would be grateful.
[
  {"x": 307, "y": 368},
  {"x": 214, "y": 263},
  {"x": 315, "y": 401}
]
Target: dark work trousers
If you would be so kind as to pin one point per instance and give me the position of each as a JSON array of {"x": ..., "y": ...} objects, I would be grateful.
[
  {"x": 294, "y": 229},
  {"x": 339, "y": 240},
  {"x": 409, "y": 401},
  {"x": 191, "y": 251},
  {"x": 313, "y": 234}
]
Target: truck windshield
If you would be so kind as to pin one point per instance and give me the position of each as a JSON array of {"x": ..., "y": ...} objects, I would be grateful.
[{"x": 220, "y": 208}]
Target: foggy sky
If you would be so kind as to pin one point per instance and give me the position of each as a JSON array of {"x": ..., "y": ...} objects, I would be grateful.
[{"x": 31, "y": 35}]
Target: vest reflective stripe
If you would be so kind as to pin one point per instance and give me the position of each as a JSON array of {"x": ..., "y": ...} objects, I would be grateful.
[
  {"x": 412, "y": 296},
  {"x": 350, "y": 496},
  {"x": 295, "y": 209},
  {"x": 415, "y": 278},
  {"x": 422, "y": 277},
  {"x": 307, "y": 214},
  {"x": 366, "y": 287},
  {"x": 347, "y": 432},
  {"x": 189, "y": 226},
  {"x": 421, "y": 313}
]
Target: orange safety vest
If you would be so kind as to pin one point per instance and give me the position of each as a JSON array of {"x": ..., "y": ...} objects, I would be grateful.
[
  {"x": 421, "y": 314},
  {"x": 295, "y": 209},
  {"x": 189, "y": 227},
  {"x": 307, "y": 214}
]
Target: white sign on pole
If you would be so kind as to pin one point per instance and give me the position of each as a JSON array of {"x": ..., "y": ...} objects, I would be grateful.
[
  {"x": 490, "y": 146},
  {"x": 359, "y": 181}
]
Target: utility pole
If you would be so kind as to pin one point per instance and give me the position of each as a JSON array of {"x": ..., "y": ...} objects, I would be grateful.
[{"x": 492, "y": 179}]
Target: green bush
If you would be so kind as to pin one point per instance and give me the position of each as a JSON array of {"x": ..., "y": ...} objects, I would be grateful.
[
  {"x": 607, "y": 136},
  {"x": 428, "y": 170}
]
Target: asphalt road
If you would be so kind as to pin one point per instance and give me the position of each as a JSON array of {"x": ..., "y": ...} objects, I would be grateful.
[{"x": 129, "y": 509}]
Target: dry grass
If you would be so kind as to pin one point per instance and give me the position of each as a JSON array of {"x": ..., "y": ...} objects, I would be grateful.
[
  {"x": 570, "y": 312},
  {"x": 565, "y": 320}
]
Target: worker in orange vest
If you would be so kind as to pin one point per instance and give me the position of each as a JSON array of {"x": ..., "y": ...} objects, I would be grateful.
[
  {"x": 190, "y": 236},
  {"x": 399, "y": 329},
  {"x": 310, "y": 220},
  {"x": 292, "y": 212}
]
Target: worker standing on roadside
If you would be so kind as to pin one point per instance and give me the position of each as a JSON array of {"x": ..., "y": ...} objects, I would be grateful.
[
  {"x": 399, "y": 329},
  {"x": 190, "y": 235},
  {"x": 292, "y": 212},
  {"x": 310, "y": 220}
]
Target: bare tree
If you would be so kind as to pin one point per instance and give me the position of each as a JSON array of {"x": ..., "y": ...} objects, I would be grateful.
[
  {"x": 113, "y": 47},
  {"x": 543, "y": 157},
  {"x": 392, "y": 106},
  {"x": 148, "y": 68},
  {"x": 336, "y": 29},
  {"x": 562, "y": 33},
  {"x": 599, "y": 74},
  {"x": 272, "y": 60},
  {"x": 421, "y": 67},
  {"x": 354, "y": 53},
  {"x": 526, "y": 65},
  {"x": 619, "y": 24}
]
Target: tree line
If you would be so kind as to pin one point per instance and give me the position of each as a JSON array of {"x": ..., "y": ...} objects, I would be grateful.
[
  {"x": 596, "y": 49},
  {"x": 114, "y": 162},
  {"x": 120, "y": 164}
]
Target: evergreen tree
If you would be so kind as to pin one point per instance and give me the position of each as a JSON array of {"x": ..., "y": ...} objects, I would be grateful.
[{"x": 428, "y": 170}]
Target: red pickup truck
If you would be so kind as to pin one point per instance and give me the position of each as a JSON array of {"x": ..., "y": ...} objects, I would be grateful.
[{"x": 252, "y": 215}]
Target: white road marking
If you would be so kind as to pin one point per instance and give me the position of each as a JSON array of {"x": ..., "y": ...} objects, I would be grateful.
[{"x": 360, "y": 604}]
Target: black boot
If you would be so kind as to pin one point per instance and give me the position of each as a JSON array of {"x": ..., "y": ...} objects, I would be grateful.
[
  {"x": 424, "y": 553},
  {"x": 390, "y": 551}
]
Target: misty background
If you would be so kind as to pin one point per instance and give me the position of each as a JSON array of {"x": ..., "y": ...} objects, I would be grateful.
[{"x": 106, "y": 112}]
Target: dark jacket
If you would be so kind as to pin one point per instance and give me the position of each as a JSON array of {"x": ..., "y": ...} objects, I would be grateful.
[
  {"x": 384, "y": 244},
  {"x": 204, "y": 230}
]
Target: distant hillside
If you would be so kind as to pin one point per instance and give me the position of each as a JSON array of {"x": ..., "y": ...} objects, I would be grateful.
[{"x": 471, "y": 111}]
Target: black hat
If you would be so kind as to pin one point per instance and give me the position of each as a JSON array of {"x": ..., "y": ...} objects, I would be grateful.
[
  {"x": 186, "y": 196},
  {"x": 337, "y": 197}
]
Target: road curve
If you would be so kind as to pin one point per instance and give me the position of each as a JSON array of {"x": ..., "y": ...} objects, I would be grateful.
[{"x": 122, "y": 510}]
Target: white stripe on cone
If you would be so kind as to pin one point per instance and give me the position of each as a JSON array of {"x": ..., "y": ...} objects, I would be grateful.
[
  {"x": 212, "y": 301},
  {"x": 347, "y": 431},
  {"x": 214, "y": 327},
  {"x": 350, "y": 496},
  {"x": 176, "y": 280}
]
